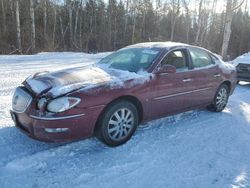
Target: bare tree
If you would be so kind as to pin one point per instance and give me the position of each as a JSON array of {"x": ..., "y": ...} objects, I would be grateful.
[
  {"x": 80, "y": 26},
  {"x": 134, "y": 21},
  {"x": 63, "y": 32},
  {"x": 33, "y": 29},
  {"x": 246, "y": 7},
  {"x": 175, "y": 13},
  {"x": 126, "y": 18},
  {"x": 76, "y": 21},
  {"x": 231, "y": 7},
  {"x": 3, "y": 16},
  {"x": 54, "y": 26},
  {"x": 18, "y": 28},
  {"x": 199, "y": 22},
  {"x": 185, "y": 2},
  {"x": 12, "y": 9},
  {"x": 109, "y": 24},
  {"x": 110, "y": 13},
  {"x": 45, "y": 21},
  {"x": 70, "y": 23}
]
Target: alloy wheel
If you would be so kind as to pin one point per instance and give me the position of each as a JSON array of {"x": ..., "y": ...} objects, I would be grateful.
[
  {"x": 120, "y": 124},
  {"x": 221, "y": 99}
]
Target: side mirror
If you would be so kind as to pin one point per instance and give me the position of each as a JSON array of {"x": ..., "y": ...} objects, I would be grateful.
[{"x": 166, "y": 69}]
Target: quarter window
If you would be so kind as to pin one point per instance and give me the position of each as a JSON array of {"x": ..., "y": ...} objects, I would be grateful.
[
  {"x": 200, "y": 58},
  {"x": 176, "y": 59}
]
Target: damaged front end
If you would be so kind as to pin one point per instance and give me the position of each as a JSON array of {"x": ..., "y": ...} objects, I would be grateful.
[{"x": 44, "y": 109}]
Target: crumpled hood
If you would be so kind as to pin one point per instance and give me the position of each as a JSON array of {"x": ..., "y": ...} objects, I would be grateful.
[
  {"x": 59, "y": 83},
  {"x": 64, "y": 81}
]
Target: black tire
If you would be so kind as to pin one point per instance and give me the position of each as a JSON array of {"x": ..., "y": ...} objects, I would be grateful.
[
  {"x": 220, "y": 100},
  {"x": 114, "y": 131}
]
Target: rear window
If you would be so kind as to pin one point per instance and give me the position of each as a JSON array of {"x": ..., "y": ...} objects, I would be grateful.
[{"x": 200, "y": 58}]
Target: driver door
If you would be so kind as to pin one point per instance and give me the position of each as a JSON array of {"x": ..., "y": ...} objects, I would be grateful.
[{"x": 171, "y": 91}]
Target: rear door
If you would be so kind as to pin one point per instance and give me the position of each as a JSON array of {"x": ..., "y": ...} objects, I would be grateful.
[{"x": 205, "y": 74}]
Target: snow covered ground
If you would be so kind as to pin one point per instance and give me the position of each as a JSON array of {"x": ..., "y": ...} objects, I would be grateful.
[{"x": 193, "y": 149}]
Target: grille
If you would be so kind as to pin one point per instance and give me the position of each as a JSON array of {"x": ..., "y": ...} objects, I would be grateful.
[
  {"x": 244, "y": 67},
  {"x": 21, "y": 100}
]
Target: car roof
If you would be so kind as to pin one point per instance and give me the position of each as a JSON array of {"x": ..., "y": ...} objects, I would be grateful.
[{"x": 167, "y": 45}]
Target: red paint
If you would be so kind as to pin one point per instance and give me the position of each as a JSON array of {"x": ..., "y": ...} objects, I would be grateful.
[{"x": 181, "y": 96}]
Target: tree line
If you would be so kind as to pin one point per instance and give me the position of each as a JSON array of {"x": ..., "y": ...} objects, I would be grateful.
[{"x": 29, "y": 26}]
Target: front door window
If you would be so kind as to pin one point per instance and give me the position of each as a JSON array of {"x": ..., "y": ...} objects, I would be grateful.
[{"x": 177, "y": 59}]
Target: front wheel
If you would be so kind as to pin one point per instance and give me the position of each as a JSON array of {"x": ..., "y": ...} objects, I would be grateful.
[
  {"x": 118, "y": 123},
  {"x": 220, "y": 99}
]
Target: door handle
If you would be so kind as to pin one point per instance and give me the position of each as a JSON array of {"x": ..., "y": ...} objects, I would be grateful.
[
  {"x": 217, "y": 75},
  {"x": 163, "y": 74},
  {"x": 187, "y": 80}
]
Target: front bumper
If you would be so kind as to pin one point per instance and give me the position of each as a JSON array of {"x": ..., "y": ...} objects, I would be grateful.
[
  {"x": 64, "y": 129},
  {"x": 243, "y": 72},
  {"x": 243, "y": 77}
]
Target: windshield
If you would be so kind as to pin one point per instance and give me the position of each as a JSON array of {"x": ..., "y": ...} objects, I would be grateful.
[{"x": 131, "y": 59}]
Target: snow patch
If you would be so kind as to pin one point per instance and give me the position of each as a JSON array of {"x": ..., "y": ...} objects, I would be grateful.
[
  {"x": 96, "y": 76},
  {"x": 88, "y": 77},
  {"x": 36, "y": 85},
  {"x": 194, "y": 149},
  {"x": 167, "y": 44},
  {"x": 244, "y": 59},
  {"x": 224, "y": 65}
]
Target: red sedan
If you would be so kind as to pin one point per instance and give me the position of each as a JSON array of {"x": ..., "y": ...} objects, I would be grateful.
[{"x": 109, "y": 99}]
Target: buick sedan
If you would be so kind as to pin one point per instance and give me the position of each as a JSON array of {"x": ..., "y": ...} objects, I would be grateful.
[{"x": 111, "y": 98}]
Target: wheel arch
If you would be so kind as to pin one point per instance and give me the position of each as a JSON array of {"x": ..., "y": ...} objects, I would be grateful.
[
  {"x": 130, "y": 98},
  {"x": 228, "y": 84}
]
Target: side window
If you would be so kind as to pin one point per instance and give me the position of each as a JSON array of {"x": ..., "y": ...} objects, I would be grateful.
[
  {"x": 200, "y": 58},
  {"x": 176, "y": 59}
]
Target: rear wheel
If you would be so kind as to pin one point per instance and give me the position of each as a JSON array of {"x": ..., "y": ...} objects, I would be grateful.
[
  {"x": 220, "y": 99},
  {"x": 118, "y": 123}
]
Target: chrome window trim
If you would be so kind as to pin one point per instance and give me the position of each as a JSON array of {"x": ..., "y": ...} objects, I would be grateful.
[
  {"x": 178, "y": 94},
  {"x": 187, "y": 48},
  {"x": 56, "y": 118},
  {"x": 98, "y": 106},
  {"x": 205, "y": 67}
]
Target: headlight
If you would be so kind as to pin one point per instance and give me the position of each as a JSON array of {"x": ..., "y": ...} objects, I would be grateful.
[{"x": 62, "y": 104}]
